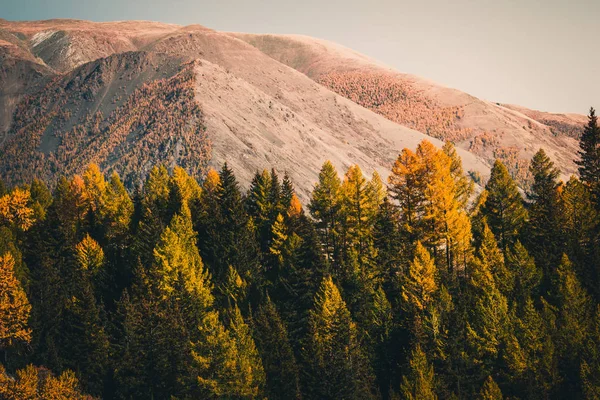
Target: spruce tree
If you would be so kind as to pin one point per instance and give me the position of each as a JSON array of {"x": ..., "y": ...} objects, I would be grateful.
[
  {"x": 527, "y": 275},
  {"x": 419, "y": 382},
  {"x": 272, "y": 341},
  {"x": 580, "y": 223},
  {"x": 544, "y": 231},
  {"x": 490, "y": 390},
  {"x": 589, "y": 163},
  {"x": 503, "y": 207},
  {"x": 573, "y": 317},
  {"x": 335, "y": 363},
  {"x": 324, "y": 208}
]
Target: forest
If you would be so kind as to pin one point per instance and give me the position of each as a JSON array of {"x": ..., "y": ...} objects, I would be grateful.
[{"x": 426, "y": 286}]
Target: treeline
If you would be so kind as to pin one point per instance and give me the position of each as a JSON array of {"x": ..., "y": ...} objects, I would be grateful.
[{"x": 411, "y": 291}]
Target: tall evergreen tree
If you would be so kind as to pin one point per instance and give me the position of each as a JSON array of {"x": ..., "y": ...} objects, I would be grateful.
[
  {"x": 580, "y": 224},
  {"x": 272, "y": 341},
  {"x": 419, "y": 382},
  {"x": 589, "y": 164},
  {"x": 573, "y": 317},
  {"x": 544, "y": 233},
  {"x": 490, "y": 390},
  {"x": 324, "y": 207},
  {"x": 503, "y": 207},
  {"x": 336, "y": 366}
]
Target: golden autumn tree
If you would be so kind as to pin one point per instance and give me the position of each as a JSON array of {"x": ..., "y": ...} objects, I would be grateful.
[
  {"x": 15, "y": 210},
  {"x": 432, "y": 207},
  {"x": 14, "y": 306}
]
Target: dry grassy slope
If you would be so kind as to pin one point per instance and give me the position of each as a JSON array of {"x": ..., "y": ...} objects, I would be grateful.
[
  {"x": 506, "y": 130},
  {"x": 259, "y": 113}
]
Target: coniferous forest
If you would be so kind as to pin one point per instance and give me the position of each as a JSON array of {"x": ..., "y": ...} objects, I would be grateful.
[{"x": 422, "y": 287}]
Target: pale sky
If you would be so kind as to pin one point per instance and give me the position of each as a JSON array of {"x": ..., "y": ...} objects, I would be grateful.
[{"x": 541, "y": 54}]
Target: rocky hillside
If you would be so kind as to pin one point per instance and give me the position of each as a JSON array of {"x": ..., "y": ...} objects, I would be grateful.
[
  {"x": 129, "y": 95},
  {"x": 487, "y": 129}
]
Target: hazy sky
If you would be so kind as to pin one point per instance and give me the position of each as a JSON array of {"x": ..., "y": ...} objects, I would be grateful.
[{"x": 542, "y": 54}]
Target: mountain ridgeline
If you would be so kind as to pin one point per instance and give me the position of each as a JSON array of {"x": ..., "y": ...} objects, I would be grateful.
[
  {"x": 132, "y": 94},
  {"x": 194, "y": 289}
]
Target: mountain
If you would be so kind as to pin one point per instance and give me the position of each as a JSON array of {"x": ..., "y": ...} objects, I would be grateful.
[
  {"x": 128, "y": 95},
  {"x": 490, "y": 130}
]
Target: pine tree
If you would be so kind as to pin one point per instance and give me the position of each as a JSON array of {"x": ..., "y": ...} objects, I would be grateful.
[
  {"x": 503, "y": 207},
  {"x": 272, "y": 341},
  {"x": 527, "y": 276},
  {"x": 589, "y": 164},
  {"x": 155, "y": 214},
  {"x": 336, "y": 366},
  {"x": 41, "y": 198},
  {"x": 392, "y": 251},
  {"x": 487, "y": 321},
  {"x": 419, "y": 283},
  {"x": 580, "y": 223},
  {"x": 249, "y": 381},
  {"x": 39, "y": 383},
  {"x": 178, "y": 265},
  {"x": 573, "y": 316},
  {"x": 590, "y": 365},
  {"x": 490, "y": 255},
  {"x": 15, "y": 211},
  {"x": 490, "y": 390},
  {"x": 544, "y": 233},
  {"x": 419, "y": 382},
  {"x": 380, "y": 331},
  {"x": 537, "y": 374},
  {"x": 357, "y": 207},
  {"x": 324, "y": 207}
]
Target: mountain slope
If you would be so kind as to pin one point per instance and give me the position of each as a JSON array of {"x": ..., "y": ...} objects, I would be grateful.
[
  {"x": 185, "y": 95},
  {"x": 488, "y": 129}
]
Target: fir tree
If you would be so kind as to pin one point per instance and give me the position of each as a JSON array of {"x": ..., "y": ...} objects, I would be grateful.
[
  {"x": 503, "y": 207},
  {"x": 573, "y": 316},
  {"x": 589, "y": 164},
  {"x": 490, "y": 390},
  {"x": 336, "y": 366},
  {"x": 249, "y": 379},
  {"x": 544, "y": 233},
  {"x": 272, "y": 341},
  {"x": 419, "y": 382},
  {"x": 527, "y": 276},
  {"x": 324, "y": 207}
]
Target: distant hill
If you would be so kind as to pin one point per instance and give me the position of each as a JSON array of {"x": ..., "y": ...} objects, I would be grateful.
[{"x": 487, "y": 129}]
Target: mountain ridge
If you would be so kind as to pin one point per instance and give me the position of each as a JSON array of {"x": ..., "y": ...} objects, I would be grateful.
[{"x": 287, "y": 110}]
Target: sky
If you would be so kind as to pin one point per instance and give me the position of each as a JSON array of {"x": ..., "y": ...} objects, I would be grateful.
[{"x": 541, "y": 54}]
